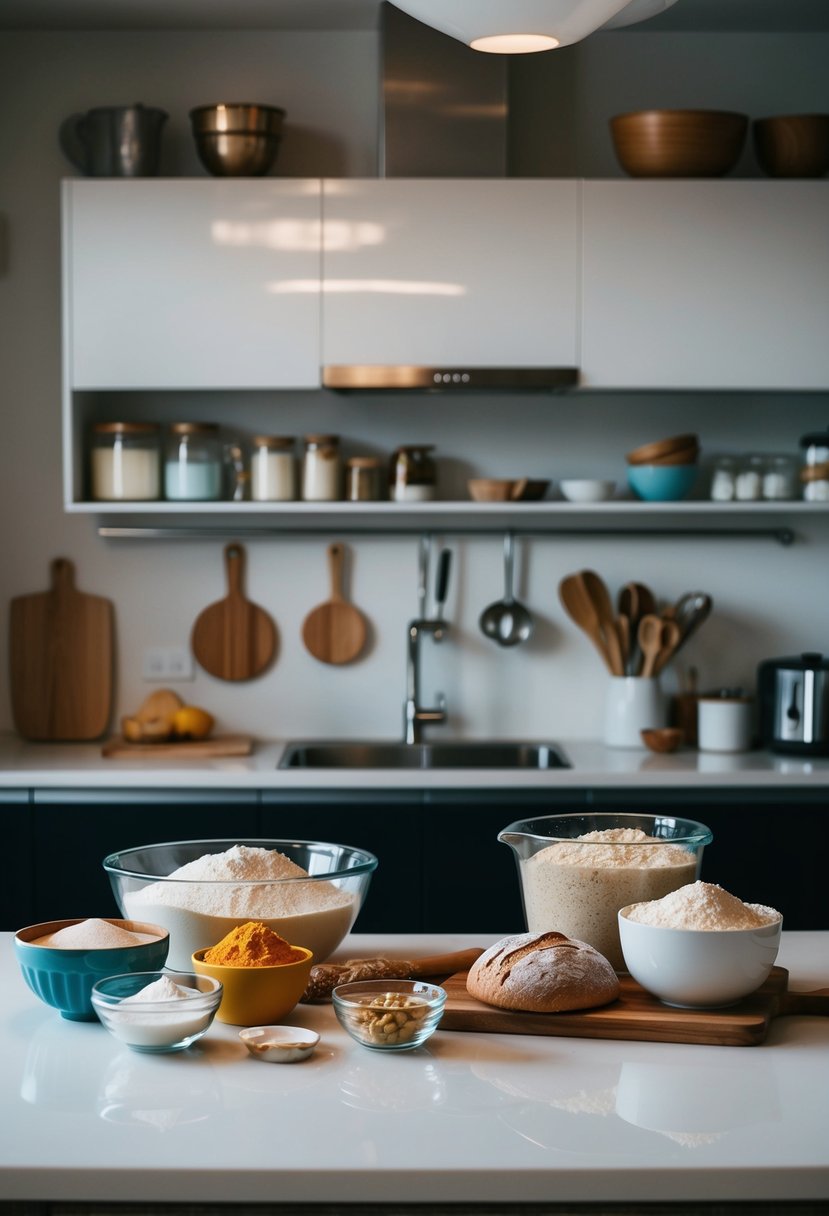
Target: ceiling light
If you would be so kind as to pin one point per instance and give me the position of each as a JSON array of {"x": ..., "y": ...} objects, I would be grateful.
[{"x": 510, "y": 27}]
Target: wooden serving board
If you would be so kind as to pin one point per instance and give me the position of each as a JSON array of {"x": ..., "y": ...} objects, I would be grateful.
[
  {"x": 219, "y": 745},
  {"x": 635, "y": 1014},
  {"x": 234, "y": 639},
  {"x": 60, "y": 662}
]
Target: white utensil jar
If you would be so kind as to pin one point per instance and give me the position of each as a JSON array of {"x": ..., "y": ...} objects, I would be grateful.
[{"x": 632, "y": 704}]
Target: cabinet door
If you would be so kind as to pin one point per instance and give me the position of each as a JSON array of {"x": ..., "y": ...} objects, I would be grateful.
[
  {"x": 692, "y": 284},
  {"x": 482, "y": 273},
  {"x": 192, "y": 284}
]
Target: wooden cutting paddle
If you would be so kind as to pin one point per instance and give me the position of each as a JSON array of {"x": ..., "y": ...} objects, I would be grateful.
[
  {"x": 61, "y": 660},
  {"x": 234, "y": 639},
  {"x": 335, "y": 632}
]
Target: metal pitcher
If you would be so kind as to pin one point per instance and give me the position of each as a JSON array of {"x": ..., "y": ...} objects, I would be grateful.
[{"x": 114, "y": 141}]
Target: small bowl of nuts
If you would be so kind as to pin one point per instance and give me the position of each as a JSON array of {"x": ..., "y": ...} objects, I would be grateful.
[{"x": 389, "y": 1015}]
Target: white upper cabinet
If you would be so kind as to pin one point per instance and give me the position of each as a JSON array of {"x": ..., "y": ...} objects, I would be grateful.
[
  {"x": 706, "y": 284},
  {"x": 192, "y": 284},
  {"x": 450, "y": 272}
]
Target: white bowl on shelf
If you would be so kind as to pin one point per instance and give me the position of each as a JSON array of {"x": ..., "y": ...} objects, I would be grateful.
[{"x": 587, "y": 489}]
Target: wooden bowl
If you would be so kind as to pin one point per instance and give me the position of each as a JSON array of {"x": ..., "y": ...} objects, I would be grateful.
[
  {"x": 678, "y": 143},
  {"x": 681, "y": 449},
  {"x": 527, "y": 490},
  {"x": 792, "y": 145},
  {"x": 491, "y": 489},
  {"x": 664, "y": 739}
]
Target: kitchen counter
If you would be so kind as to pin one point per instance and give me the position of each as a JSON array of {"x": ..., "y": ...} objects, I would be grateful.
[
  {"x": 81, "y": 766},
  {"x": 467, "y": 1118}
]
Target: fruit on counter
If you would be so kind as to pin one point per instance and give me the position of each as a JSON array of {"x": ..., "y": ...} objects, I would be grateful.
[
  {"x": 153, "y": 722},
  {"x": 191, "y": 722}
]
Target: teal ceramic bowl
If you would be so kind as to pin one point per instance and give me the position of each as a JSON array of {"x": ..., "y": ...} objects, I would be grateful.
[
  {"x": 63, "y": 978},
  {"x": 662, "y": 482}
]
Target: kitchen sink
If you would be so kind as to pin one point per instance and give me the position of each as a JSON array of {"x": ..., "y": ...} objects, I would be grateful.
[{"x": 381, "y": 754}]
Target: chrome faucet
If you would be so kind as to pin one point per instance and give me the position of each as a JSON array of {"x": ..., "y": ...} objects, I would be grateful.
[{"x": 417, "y": 716}]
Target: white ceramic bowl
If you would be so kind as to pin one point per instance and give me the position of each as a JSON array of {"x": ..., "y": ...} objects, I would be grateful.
[
  {"x": 698, "y": 968},
  {"x": 279, "y": 1044},
  {"x": 587, "y": 489}
]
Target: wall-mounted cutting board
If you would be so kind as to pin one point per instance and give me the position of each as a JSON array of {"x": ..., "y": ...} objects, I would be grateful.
[
  {"x": 60, "y": 660},
  {"x": 335, "y": 631},
  {"x": 234, "y": 639},
  {"x": 638, "y": 1015},
  {"x": 194, "y": 749}
]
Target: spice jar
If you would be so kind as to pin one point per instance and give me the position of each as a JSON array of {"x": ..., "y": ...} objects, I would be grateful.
[
  {"x": 125, "y": 461},
  {"x": 321, "y": 468},
  {"x": 362, "y": 479},
  {"x": 193, "y": 462},
  {"x": 780, "y": 478},
  {"x": 724, "y": 479},
  {"x": 749, "y": 483},
  {"x": 412, "y": 475},
  {"x": 273, "y": 474},
  {"x": 815, "y": 478}
]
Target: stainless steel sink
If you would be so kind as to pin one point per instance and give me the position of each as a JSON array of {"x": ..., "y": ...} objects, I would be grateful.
[{"x": 350, "y": 754}]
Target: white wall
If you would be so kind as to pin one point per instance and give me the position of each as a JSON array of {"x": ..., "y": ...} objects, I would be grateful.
[{"x": 768, "y": 600}]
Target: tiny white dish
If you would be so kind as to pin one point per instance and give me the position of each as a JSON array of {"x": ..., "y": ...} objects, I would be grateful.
[
  {"x": 587, "y": 489},
  {"x": 279, "y": 1044}
]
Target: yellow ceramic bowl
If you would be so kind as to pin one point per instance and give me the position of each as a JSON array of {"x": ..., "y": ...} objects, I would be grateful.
[{"x": 257, "y": 996}]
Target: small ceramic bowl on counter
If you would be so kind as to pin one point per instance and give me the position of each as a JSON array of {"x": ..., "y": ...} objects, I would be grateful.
[
  {"x": 62, "y": 974},
  {"x": 389, "y": 1015},
  {"x": 279, "y": 1044},
  {"x": 258, "y": 996},
  {"x": 157, "y": 1011}
]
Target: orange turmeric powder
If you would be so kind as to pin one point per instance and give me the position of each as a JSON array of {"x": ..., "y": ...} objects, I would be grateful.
[{"x": 252, "y": 945}]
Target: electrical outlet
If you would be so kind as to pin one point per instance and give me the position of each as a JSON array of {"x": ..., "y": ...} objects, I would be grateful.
[{"x": 167, "y": 663}]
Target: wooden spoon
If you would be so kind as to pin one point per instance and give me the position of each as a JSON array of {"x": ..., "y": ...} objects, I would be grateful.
[
  {"x": 599, "y": 595},
  {"x": 335, "y": 632},
  {"x": 580, "y": 609},
  {"x": 658, "y": 639},
  {"x": 234, "y": 639}
]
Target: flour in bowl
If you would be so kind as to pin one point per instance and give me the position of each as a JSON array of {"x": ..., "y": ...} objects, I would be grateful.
[
  {"x": 702, "y": 905},
  {"x": 93, "y": 934}
]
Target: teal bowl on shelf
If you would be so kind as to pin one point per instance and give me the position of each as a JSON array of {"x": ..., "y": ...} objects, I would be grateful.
[
  {"x": 63, "y": 978},
  {"x": 662, "y": 482}
]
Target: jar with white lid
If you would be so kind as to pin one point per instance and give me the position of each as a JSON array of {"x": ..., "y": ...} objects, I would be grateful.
[
  {"x": 193, "y": 463},
  {"x": 321, "y": 468},
  {"x": 412, "y": 475},
  {"x": 273, "y": 469},
  {"x": 125, "y": 462}
]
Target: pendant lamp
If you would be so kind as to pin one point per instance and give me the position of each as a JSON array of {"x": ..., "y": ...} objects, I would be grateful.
[{"x": 515, "y": 27}]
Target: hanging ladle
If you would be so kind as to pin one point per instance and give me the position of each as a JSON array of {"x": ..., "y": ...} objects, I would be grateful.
[{"x": 506, "y": 621}]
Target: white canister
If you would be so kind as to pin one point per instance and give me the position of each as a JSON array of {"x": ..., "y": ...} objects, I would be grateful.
[
  {"x": 272, "y": 467},
  {"x": 725, "y": 723},
  {"x": 321, "y": 469},
  {"x": 632, "y": 704},
  {"x": 125, "y": 462}
]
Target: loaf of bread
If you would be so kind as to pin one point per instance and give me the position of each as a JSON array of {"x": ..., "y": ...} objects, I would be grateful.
[{"x": 542, "y": 973}]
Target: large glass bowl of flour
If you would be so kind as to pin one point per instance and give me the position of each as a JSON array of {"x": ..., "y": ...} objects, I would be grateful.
[
  {"x": 576, "y": 871},
  {"x": 309, "y": 892}
]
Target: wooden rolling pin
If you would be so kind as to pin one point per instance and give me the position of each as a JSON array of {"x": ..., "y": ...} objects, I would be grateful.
[{"x": 325, "y": 977}]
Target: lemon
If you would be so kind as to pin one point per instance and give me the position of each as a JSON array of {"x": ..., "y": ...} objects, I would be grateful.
[{"x": 190, "y": 722}]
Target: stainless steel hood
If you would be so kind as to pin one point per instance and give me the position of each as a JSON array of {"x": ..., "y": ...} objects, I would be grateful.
[{"x": 387, "y": 378}]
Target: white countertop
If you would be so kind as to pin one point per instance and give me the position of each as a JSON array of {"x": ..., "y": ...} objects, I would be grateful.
[
  {"x": 81, "y": 766},
  {"x": 466, "y": 1118}
]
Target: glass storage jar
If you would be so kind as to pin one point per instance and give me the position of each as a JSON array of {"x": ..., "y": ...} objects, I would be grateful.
[
  {"x": 125, "y": 461},
  {"x": 816, "y": 447},
  {"x": 273, "y": 471},
  {"x": 412, "y": 475},
  {"x": 723, "y": 479},
  {"x": 321, "y": 468},
  {"x": 749, "y": 483},
  {"x": 815, "y": 478},
  {"x": 193, "y": 463},
  {"x": 780, "y": 478},
  {"x": 362, "y": 479}
]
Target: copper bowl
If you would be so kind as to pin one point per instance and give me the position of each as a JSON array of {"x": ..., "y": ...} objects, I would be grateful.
[
  {"x": 792, "y": 145},
  {"x": 678, "y": 143}
]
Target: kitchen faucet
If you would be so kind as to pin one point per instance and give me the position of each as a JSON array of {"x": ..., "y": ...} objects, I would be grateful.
[{"x": 415, "y": 715}]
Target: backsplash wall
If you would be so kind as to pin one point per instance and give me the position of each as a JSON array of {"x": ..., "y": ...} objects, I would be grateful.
[{"x": 769, "y": 600}]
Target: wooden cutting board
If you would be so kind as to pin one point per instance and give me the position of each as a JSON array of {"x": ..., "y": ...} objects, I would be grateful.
[
  {"x": 234, "y": 639},
  {"x": 335, "y": 632},
  {"x": 219, "y": 745},
  {"x": 638, "y": 1015},
  {"x": 60, "y": 661}
]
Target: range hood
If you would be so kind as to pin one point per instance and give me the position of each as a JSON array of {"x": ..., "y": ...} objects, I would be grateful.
[{"x": 376, "y": 377}]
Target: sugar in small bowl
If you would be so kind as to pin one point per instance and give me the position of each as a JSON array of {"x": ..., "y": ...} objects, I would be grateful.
[
  {"x": 699, "y": 947},
  {"x": 389, "y": 1015},
  {"x": 61, "y": 960},
  {"x": 157, "y": 1011}
]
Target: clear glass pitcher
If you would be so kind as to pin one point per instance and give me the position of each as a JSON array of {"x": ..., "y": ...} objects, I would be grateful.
[{"x": 577, "y": 870}]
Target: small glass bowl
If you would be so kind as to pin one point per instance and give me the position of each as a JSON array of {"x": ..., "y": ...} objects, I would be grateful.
[
  {"x": 157, "y": 1026},
  {"x": 389, "y": 1015}
]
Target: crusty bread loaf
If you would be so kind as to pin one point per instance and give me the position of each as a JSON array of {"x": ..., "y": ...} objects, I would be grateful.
[{"x": 542, "y": 973}]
